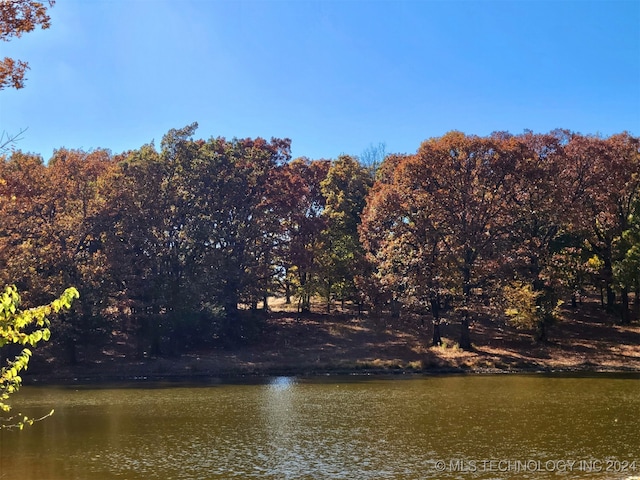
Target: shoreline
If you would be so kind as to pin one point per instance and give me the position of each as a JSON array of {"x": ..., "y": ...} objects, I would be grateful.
[
  {"x": 584, "y": 341},
  {"x": 75, "y": 377}
]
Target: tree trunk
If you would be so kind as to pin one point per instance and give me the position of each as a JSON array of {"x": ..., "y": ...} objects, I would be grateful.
[
  {"x": 435, "y": 311},
  {"x": 611, "y": 298},
  {"x": 139, "y": 333},
  {"x": 230, "y": 301},
  {"x": 437, "y": 338},
  {"x": 138, "y": 327},
  {"x": 305, "y": 301},
  {"x": 624, "y": 311},
  {"x": 328, "y": 285},
  {"x": 465, "y": 335},
  {"x": 541, "y": 332},
  {"x": 608, "y": 275},
  {"x": 636, "y": 302},
  {"x": 395, "y": 308},
  {"x": 154, "y": 348},
  {"x": 287, "y": 293},
  {"x": 72, "y": 353}
]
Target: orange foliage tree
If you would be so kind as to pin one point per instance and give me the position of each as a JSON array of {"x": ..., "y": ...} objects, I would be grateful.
[{"x": 16, "y": 18}]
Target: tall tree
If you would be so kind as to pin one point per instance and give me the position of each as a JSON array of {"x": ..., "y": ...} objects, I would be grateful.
[
  {"x": 345, "y": 189},
  {"x": 302, "y": 226},
  {"x": 539, "y": 206},
  {"x": 49, "y": 239},
  {"x": 76, "y": 243},
  {"x": 241, "y": 217},
  {"x": 151, "y": 253},
  {"x": 209, "y": 216},
  {"x": 607, "y": 172},
  {"x": 380, "y": 283},
  {"x": 627, "y": 269},
  {"x": 24, "y": 200},
  {"x": 466, "y": 181},
  {"x": 453, "y": 194},
  {"x": 408, "y": 255}
]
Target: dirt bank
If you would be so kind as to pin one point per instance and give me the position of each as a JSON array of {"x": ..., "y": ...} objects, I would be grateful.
[{"x": 584, "y": 340}]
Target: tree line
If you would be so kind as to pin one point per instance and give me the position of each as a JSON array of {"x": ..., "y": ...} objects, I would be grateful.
[
  {"x": 178, "y": 246},
  {"x": 508, "y": 221}
]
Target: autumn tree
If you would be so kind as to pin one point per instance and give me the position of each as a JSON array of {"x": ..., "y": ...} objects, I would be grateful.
[
  {"x": 627, "y": 269},
  {"x": 195, "y": 225},
  {"x": 149, "y": 253},
  {"x": 241, "y": 214},
  {"x": 379, "y": 283},
  {"x": 406, "y": 251},
  {"x": 622, "y": 204},
  {"x": 345, "y": 189},
  {"x": 76, "y": 248},
  {"x": 538, "y": 206},
  {"x": 24, "y": 196},
  {"x": 49, "y": 238},
  {"x": 453, "y": 215},
  {"x": 607, "y": 174},
  {"x": 18, "y": 17},
  {"x": 302, "y": 226},
  {"x": 468, "y": 178}
]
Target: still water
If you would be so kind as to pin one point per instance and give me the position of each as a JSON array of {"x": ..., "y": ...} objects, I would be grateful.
[{"x": 467, "y": 427}]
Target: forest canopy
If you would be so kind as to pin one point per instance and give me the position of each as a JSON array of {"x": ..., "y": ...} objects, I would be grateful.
[{"x": 178, "y": 245}]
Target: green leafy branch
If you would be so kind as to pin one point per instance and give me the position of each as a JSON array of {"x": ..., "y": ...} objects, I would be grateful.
[{"x": 26, "y": 328}]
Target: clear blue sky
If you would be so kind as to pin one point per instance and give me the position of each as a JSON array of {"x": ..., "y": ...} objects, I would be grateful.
[{"x": 334, "y": 76}]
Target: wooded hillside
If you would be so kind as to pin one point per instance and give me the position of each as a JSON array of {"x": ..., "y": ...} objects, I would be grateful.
[{"x": 178, "y": 246}]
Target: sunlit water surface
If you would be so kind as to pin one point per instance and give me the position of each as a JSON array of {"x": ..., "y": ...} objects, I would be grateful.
[{"x": 466, "y": 427}]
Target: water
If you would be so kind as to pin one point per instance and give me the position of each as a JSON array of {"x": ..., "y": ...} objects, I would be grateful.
[{"x": 476, "y": 427}]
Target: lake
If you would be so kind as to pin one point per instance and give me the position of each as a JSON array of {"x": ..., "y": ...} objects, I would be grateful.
[{"x": 449, "y": 427}]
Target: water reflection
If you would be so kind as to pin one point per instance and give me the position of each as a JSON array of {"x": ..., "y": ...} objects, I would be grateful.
[{"x": 282, "y": 383}]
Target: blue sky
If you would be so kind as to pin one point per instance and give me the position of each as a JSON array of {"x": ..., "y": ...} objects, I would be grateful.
[{"x": 334, "y": 76}]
